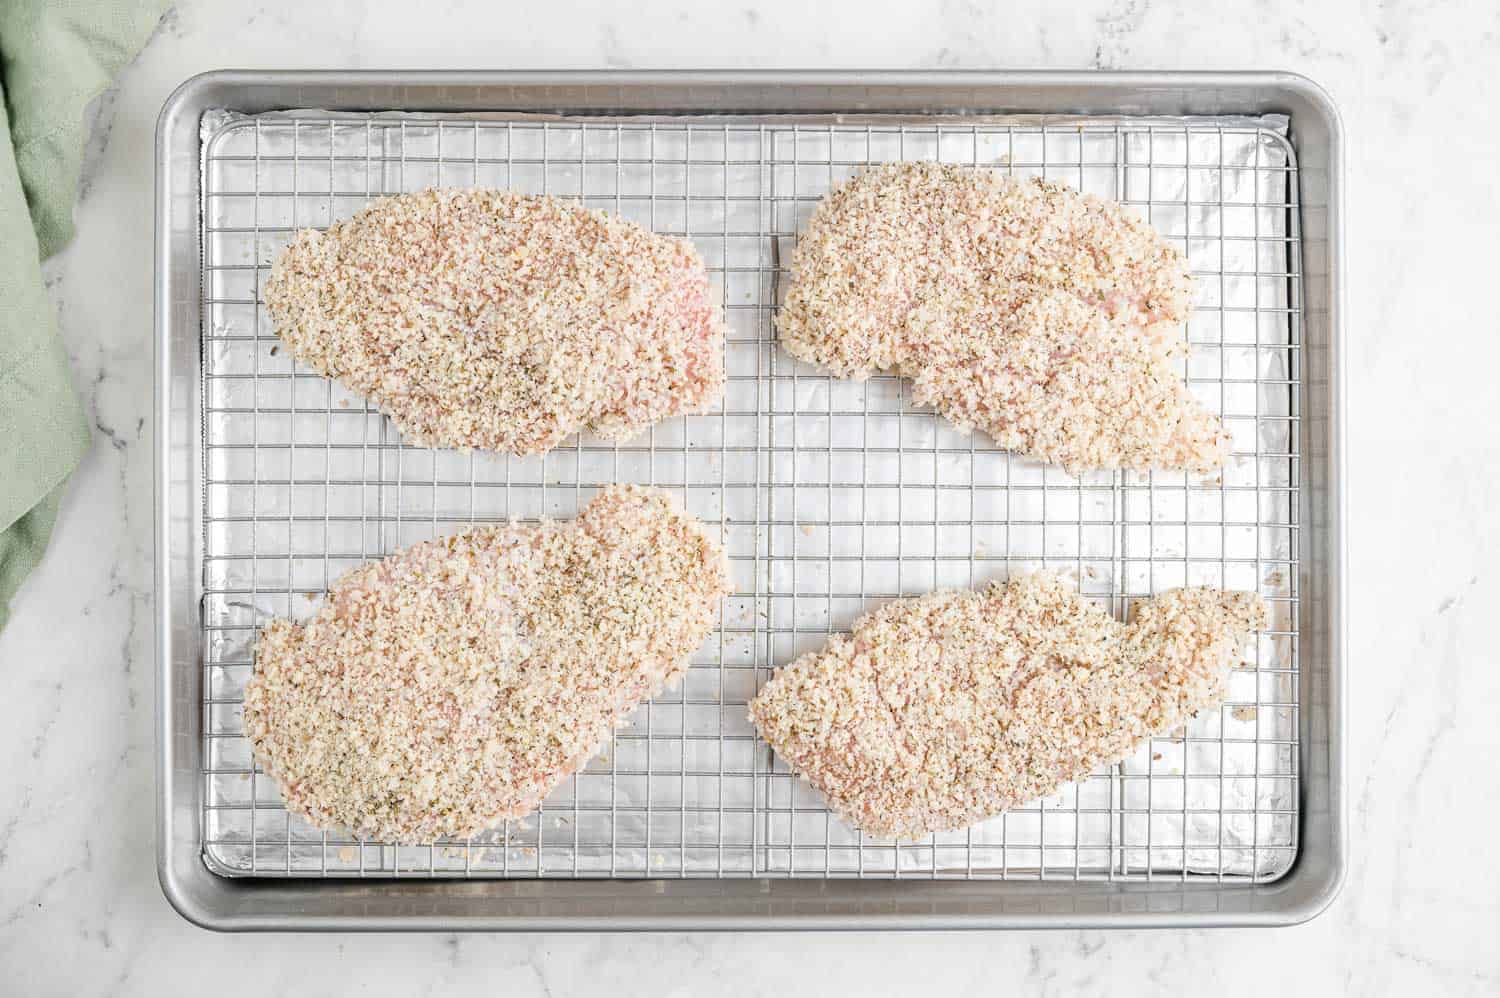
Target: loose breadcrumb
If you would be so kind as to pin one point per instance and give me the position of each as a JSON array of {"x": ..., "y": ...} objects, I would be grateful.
[
  {"x": 1044, "y": 317},
  {"x": 481, "y": 318},
  {"x": 456, "y": 682},
  {"x": 938, "y": 712}
]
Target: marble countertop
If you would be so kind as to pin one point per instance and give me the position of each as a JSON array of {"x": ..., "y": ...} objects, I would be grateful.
[{"x": 80, "y": 910}]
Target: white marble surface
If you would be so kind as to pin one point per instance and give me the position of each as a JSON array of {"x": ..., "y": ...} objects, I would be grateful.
[{"x": 80, "y": 911}]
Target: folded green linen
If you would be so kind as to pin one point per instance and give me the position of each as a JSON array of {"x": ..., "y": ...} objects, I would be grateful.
[{"x": 55, "y": 57}]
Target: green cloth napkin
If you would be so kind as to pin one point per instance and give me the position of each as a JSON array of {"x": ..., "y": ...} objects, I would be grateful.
[{"x": 55, "y": 57}]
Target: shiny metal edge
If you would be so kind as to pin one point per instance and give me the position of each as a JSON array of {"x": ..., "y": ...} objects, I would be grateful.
[{"x": 218, "y": 903}]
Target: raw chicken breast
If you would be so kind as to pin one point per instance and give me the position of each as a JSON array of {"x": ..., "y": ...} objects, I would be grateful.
[
  {"x": 939, "y": 712},
  {"x": 458, "y": 681},
  {"x": 485, "y": 319},
  {"x": 1047, "y": 318}
]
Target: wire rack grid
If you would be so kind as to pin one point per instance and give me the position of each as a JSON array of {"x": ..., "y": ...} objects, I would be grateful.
[{"x": 830, "y": 496}]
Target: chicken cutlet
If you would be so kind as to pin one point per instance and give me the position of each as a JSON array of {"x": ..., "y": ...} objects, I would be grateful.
[
  {"x": 1047, "y": 318},
  {"x": 938, "y": 712},
  {"x": 500, "y": 321},
  {"x": 457, "y": 682}
]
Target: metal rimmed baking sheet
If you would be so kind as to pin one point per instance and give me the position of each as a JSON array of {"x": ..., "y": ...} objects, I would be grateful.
[{"x": 829, "y": 476}]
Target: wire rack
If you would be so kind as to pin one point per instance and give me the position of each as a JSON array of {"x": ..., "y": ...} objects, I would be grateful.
[{"x": 830, "y": 496}]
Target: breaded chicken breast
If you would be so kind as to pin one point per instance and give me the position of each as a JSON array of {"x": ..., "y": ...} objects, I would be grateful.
[
  {"x": 457, "y": 682},
  {"x": 486, "y": 319},
  {"x": 936, "y": 713},
  {"x": 1047, "y": 318}
]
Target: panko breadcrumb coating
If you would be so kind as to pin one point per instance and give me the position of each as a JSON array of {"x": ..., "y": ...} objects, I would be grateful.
[
  {"x": 1044, "y": 317},
  {"x": 456, "y": 682},
  {"x": 939, "y": 712},
  {"x": 506, "y": 322}
]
